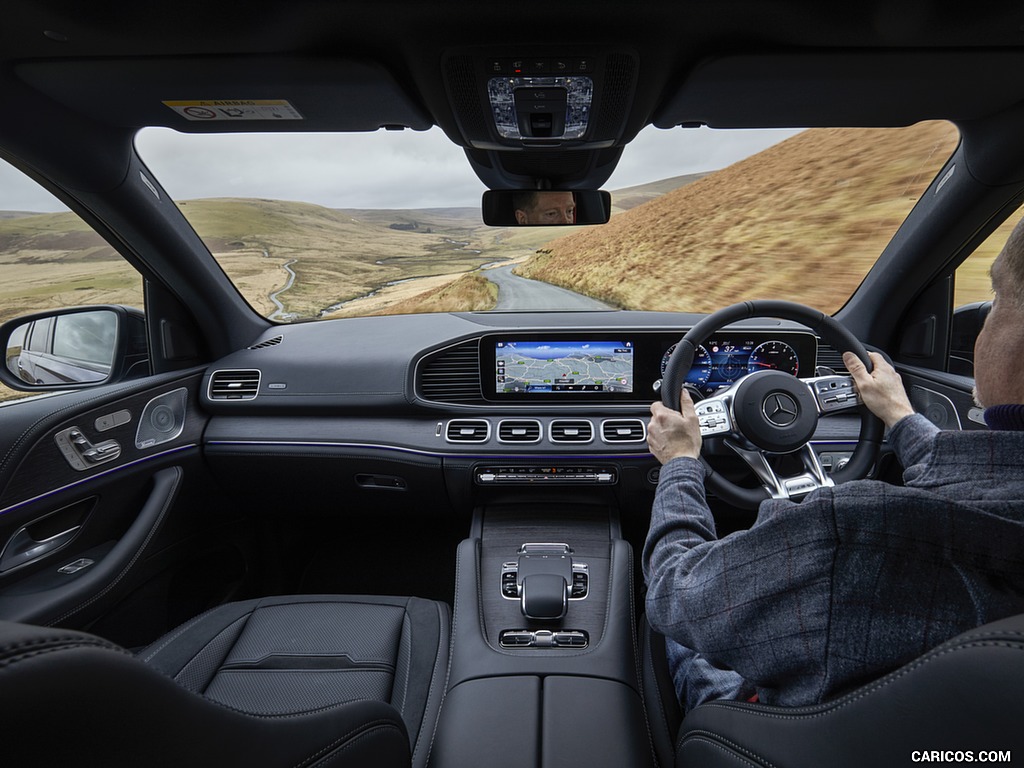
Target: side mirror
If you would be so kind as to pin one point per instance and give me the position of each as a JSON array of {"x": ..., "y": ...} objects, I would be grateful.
[
  {"x": 967, "y": 323},
  {"x": 546, "y": 208},
  {"x": 73, "y": 348}
]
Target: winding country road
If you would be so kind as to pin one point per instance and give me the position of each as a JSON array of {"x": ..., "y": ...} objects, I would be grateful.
[
  {"x": 279, "y": 313},
  {"x": 522, "y": 293}
]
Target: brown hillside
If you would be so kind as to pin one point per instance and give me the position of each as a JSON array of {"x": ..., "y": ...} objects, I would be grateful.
[{"x": 802, "y": 220}]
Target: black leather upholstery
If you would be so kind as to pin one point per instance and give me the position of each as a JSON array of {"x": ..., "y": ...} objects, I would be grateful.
[
  {"x": 276, "y": 682},
  {"x": 964, "y": 696},
  {"x": 663, "y": 713}
]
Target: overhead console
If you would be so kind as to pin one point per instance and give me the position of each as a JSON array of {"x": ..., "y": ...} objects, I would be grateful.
[{"x": 515, "y": 99}]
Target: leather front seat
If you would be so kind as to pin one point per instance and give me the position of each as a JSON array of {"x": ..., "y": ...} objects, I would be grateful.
[
  {"x": 288, "y": 681},
  {"x": 962, "y": 697}
]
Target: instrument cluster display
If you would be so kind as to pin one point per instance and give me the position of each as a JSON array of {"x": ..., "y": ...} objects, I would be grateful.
[{"x": 721, "y": 361}]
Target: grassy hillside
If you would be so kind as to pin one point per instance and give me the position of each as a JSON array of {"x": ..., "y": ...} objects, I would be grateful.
[
  {"x": 336, "y": 255},
  {"x": 802, "y": 220},
  {"x": 52, "y": 260},
  {"x": 628, "y": 198},
  {"x": 469, "y": 293}
]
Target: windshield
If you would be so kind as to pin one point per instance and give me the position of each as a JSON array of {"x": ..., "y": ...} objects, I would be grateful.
[{"x": 316, "y": 226}]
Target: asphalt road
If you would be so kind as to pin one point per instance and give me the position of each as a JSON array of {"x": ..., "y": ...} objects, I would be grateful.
[{"x": 521, "y": 293}]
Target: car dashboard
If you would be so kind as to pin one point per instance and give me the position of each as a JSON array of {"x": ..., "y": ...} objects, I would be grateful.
[{"x": 465, "y": 407}]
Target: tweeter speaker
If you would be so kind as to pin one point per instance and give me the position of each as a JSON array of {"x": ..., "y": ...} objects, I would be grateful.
[
  {"x": 936, "y": 407},
  {"x": 162, "y": 420}
]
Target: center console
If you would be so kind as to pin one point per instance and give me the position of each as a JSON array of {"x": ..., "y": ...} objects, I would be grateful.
[{"x": 544, "y": 666}]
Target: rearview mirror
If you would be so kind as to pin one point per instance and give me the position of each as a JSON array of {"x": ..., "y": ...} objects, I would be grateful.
[
  {"x": 546, "y": 208},
  {"x": 73, "y": 348}
]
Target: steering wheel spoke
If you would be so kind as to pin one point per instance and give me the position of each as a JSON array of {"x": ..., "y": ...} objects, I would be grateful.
[
  {"x": 793, "y": 487},
  {"x": 833, "y": 393}
]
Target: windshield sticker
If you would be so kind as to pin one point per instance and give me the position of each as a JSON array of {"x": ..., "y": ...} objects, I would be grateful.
[{"x": 236, "y": 109}]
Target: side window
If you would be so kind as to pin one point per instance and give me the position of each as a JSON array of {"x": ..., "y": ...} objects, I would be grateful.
[
  {"x": 50, "y": 259},
  {"x": 39, "y": 335},
  {"x": 972, "y": 294}
]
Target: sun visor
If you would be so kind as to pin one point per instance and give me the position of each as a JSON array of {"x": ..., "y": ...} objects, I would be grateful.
[
  {"x": 237, "y": 94},
  {"x": 854, "y": 89}
]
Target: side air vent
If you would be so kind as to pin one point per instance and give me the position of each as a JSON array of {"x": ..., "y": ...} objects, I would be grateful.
[
  {"x": 623, "y": 431},
  {"x": 467, "y": 431},
  {"x": 452, "y": 375},
  {"x": 234, "y": 385},
  {"x": 268, "y": 343},
  {"x": 571, "y": 431},
  {"x": 519, "y": 431},
  {"x": 830, "y": 358}
]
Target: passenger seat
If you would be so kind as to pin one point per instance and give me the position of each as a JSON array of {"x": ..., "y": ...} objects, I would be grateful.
[{"x": 284, "y": 681}]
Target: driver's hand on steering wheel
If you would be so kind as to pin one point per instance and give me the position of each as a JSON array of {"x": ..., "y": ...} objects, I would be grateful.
[
  {"x": 672, "y": 434},
  {"x": 881, "y": 390}
]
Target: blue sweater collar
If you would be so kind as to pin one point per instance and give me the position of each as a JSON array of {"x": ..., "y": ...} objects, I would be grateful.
[{"x": 1010, "y": 417}]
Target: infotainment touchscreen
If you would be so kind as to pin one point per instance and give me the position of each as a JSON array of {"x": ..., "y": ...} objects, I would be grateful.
[{"x": 542, "y": 367}]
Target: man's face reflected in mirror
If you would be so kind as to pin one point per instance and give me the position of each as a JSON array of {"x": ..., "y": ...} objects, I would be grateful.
[{"x": 545, "y": 208}]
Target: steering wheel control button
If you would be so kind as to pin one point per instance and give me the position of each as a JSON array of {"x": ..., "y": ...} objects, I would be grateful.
[
  {"x": 835, "y": 393},
  {"x": 712, "y": 417}
]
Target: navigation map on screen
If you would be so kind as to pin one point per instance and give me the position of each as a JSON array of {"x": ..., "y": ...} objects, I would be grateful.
[{"x": 563, "y": 366}]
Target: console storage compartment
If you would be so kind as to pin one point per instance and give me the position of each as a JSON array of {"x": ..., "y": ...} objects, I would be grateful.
[{"x": 533, "y": 721}]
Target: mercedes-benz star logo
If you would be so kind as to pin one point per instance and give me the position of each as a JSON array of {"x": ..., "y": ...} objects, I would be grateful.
[{"x": 780, "y": 409}]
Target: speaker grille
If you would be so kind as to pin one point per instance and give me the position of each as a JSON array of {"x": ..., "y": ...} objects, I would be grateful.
[
  {"x": 465, "y": 99},
  {"x": 616, "y": 95}
]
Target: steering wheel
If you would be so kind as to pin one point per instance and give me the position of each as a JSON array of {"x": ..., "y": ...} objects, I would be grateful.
[{"x": 771, "y": 412}]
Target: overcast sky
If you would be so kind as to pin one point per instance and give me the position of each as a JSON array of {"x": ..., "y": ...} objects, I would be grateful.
[{"x": 375, "y": 170}]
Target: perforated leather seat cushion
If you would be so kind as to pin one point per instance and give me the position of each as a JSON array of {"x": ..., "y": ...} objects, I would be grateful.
[{"x": 288, "y": 655}]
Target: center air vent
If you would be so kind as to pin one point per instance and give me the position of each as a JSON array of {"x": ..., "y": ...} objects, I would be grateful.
[
  {"x": 234, "y": 385},
  {"x": 623, "y": 431},
  {"x": 467, "y": 431},
  {"x": 519, "y": 431},
  {"x": 571, "y": 431}
]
